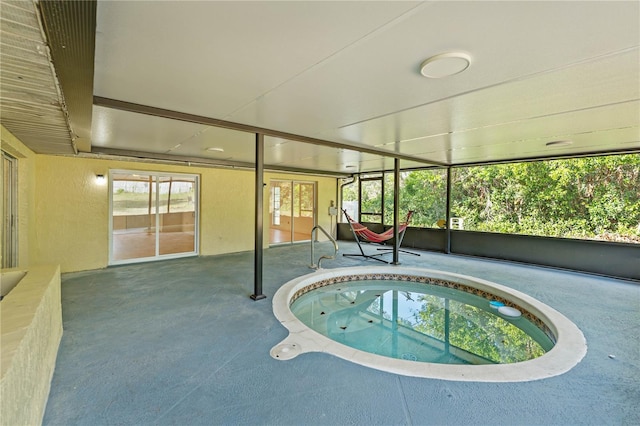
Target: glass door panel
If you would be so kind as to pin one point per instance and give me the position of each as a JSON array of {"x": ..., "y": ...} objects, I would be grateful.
[
  {"x": 133, "y": 216},
  {"x": 303, "y": 210},
  {"x": 280, "y": 212},
  {"x": 152, "y": 216},
  {"x": 177, "y": 214},
  {"x": 291, "y": 211}
]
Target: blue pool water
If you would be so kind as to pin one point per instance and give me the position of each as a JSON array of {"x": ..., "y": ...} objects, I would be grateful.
[{"x": 419, "y": 322}]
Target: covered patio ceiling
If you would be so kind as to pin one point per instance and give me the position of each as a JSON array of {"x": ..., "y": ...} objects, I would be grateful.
[{"x": 336, "y": 87}]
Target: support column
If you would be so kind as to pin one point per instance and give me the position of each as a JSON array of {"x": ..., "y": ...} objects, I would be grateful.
[
  {"x": 259, "y": 208},
  {"x": 396, "y": 210}
]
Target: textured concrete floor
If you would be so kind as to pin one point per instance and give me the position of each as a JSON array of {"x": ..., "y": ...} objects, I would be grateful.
[{"x": 180, "y": 342}]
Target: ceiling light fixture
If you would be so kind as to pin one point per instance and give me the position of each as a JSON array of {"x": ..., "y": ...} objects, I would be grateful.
[
  {"x": 445, "y": 64},
  {"x": 559, "y": 143},
  {"x": 215, "y": 149}
]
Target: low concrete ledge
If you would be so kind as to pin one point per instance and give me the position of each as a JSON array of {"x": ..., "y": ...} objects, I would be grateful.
[{"x": 31, "y": 318}]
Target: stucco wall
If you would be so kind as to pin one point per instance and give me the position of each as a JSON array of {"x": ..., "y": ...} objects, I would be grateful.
[
  {"x": 72, "y": 213},
  {"x": 226, "y": 211},
  {"x": 31, "y": 316},
  {"x": 72, "y": 210}
]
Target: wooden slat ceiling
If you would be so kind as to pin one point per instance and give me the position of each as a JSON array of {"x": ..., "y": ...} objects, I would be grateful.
[{"x": 31, "y": 105}]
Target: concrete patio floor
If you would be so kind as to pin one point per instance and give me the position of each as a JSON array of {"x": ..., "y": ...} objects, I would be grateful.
[{"x": 180, "y": 342}]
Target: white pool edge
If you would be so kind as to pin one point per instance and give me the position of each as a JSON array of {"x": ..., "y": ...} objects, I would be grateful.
[{"x": 569, "y": 350}]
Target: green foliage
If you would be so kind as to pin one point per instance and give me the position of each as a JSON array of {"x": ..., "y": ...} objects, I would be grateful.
[
  {"x": 371, "y": 199},
  {"x": 475, "y": 331},
  {"x": 594, "y": 197},
  {"x": 424, "y": 192}
]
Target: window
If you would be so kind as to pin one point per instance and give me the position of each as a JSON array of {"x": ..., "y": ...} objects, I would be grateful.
[
  {"x": 423, "y": 191},
  {"x": 349, "y": 200},
  {"x": 371, "y": 198}
]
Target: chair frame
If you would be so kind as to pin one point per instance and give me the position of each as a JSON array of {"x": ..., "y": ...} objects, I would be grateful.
[{"x": 374, "y": 256}]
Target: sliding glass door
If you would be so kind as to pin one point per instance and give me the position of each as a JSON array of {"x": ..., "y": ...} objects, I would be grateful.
[
  {"x": 292, "y": 211},
  {"x": 153, "y": 216}
]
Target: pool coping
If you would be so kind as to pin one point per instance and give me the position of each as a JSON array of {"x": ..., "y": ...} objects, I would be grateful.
[{"x": 569, "y": 350}]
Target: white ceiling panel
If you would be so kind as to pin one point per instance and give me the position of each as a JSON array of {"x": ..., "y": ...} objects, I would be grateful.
[
  {"x": 118, "y": 129},
  {"x": 545, "y": 129},
  {"x": 297, "y": 155},
  {"x": 603, "y": 82},
  {"x": 347, "y": 75},
  {"x": 285, "y": 153},
  {"x": 218, "y": 143},
  {"x": 379, "y": 75},
  {"x": 594, "y": 96},
  {"x": 124, "y": 130},
  {"x": 348, "y": 72},
  {"x": 385, "y": 163},
  {"x": 592, "y": 142},
  {"x": 211, "y": 58}
]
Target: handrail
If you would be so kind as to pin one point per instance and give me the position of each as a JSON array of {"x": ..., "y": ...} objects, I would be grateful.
[{"x": 335, "y": 247}]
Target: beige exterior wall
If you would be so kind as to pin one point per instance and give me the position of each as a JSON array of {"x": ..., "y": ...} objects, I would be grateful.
[
  {"x": 226, "y": 211},
  {"x": 26, "y": 196},
  {"x": 72, "y": 211},
  {"x": 64, "y": 214}
]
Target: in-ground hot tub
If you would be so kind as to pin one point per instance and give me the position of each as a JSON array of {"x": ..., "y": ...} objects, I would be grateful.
[{"x": 566, "y": 349}]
